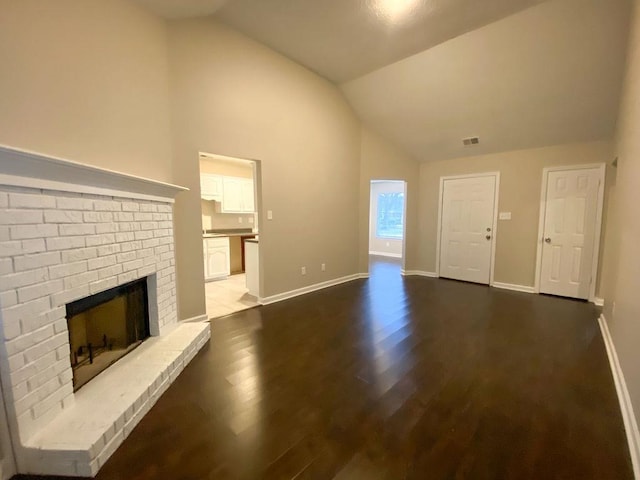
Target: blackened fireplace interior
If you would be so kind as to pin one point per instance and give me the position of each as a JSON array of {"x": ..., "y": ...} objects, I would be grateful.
[{"x": 106, "y": 326}]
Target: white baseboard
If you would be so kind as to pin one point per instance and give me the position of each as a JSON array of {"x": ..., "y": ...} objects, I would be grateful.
[
  {"x": 514, "y": 287},
  {"x": 628, "y": 416},
  {"x": 310, "y": 288},
  {"x": 386, "y": 254},
  {"x": 419, "y": 273},
  {"x": 599, "y": 302}
]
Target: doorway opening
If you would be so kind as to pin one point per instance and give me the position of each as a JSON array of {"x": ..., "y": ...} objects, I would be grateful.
[
  {"x": 387, "y": 212},
  {"x": 229, "y": 191}
]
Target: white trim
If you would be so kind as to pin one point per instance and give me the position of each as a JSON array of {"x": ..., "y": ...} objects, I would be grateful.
[
  {"x": 310, "y": 288},
  {"x": 198, "y": 318},
  {"x": 385, "y": 254},
  {"x": 22, "y": 168},
  {"x": 626, "y": 407},
  {"x": 419, "y": 273},
  {"x": 597, "y": 233},
  {"x": 494, "y": 228},
  {"x": 598, "y": 302},
  {"x": 514, "y": 287}
]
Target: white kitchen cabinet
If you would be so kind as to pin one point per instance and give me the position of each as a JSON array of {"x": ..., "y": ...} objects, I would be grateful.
[
  {"x": 217, "y": 262},
  {"x": 237, "y": 195},
  {"x": 211, "y": 186}
]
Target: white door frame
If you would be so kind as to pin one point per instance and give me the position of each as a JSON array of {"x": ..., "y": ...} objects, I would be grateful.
[
  {"x": 543, "y": 210},
  {"x": 494, "y": 231}
]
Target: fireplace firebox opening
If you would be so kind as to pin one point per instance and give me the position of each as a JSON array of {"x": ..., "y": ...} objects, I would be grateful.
[{"x": 105, "y": 327}]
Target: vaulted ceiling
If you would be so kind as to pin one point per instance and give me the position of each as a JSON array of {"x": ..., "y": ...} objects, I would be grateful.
[{"x": 516, "y": 73}]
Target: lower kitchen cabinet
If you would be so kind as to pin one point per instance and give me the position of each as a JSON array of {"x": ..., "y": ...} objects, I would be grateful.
[{"x": 217, "y": 263}]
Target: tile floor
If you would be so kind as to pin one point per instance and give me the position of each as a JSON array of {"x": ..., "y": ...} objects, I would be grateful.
[{"x": 228, "y": 296}]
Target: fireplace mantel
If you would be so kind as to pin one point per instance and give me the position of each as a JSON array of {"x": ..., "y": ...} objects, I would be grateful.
[{"x": 22, "y": 168}]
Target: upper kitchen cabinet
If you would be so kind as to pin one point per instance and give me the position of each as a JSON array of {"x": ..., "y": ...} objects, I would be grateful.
[
  {"x": 237, "y": 195},
  {"x": 211, "y": 187}
]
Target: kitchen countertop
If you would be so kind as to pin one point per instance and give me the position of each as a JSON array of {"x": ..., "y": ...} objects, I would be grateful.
[{"x": 231, "y": 232}]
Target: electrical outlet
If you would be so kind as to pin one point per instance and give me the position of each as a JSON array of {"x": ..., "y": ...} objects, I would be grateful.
[
  {"x": 269, "y": 214},
  {"x": 303, "y": 270},
  {"x": 323, "y": 267}
]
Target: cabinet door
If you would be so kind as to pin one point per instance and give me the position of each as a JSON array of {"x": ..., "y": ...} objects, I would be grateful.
[
  {"x": 248, "y": 202},
  {"x": 232, "y": 195},
  {"x": 211, "y": 186},
  {"x": 218, "y": 262}
]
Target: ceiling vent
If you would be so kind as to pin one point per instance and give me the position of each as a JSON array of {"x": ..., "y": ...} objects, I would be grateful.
[{"x": 471, "y": 141}]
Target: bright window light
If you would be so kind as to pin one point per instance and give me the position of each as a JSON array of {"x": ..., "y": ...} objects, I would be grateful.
[{"x": 390, "y": 215}]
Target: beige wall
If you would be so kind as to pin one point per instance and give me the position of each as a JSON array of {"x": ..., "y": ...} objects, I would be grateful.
[
  {"x": 232, "y": 96},
  {"x": 228, "y": 168},
  {"x": 86, "y": 80},
  {"x": 380, "y": 160},
  {"x": 520, "y": 186},
  {"x": 623, "y": 250}
]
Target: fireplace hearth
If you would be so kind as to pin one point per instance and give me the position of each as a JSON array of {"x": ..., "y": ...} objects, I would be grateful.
[{"x": 105, "y": 327}]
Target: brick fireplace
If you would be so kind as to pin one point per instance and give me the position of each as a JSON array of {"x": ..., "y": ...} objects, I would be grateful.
[{"x": 69, "y": 231}]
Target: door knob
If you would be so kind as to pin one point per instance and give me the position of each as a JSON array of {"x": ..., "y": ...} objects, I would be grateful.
[
  {"x": 548, "y": 240},
  {"x": 488, "y": 237}
]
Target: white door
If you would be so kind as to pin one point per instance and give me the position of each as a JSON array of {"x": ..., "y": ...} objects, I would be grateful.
[
  {"x": 468, "y": 212},
  {"x": 569, "y": 232}
]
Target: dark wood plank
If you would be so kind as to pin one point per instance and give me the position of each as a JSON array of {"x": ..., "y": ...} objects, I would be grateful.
[{"x": 390, "y": 378}]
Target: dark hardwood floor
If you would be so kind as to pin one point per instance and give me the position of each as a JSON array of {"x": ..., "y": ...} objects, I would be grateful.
[{"x": 390, "y": 378}]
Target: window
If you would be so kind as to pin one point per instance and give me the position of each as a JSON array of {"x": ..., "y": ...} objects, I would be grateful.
[{"x": 390, "y": 215}]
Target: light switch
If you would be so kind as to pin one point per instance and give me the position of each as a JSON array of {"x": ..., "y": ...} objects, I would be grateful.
[
  {"x": 505, "y": 216},
  {"x": 269, "y": 214}
]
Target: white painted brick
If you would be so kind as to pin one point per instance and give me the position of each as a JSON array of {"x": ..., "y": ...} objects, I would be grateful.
[
  {"x": 33, "y": 246},
  {"x": 101, "y": 262},
  {"x": 15, "y": 362},
  {"x": 143, "y": 235},
  {"x": 103, "y": 239},
  {"x": 74, "y": 203},
  {"x": 22, "y": 279},
  {"x": 142, "y": 217},
  {"x": 22, "y": 232},
  {"x": 67, "y": 230},
  {"x": 60, "y": 299},
  {"x": 80, "y": 280},
  {"x": 124, "y": 237},
  {"x": 9, "y": 249},
  {"x": 26, "y": 294},
  {"x": 161, "y": 217},
  {"x": 4, "y": 200},
  {"x": 79, "y": 254},
  {"x": 112, "y": 271},
  {"x": 107, "y": 206},
  {"x": 127, "y": 277},
  {"x": 4, "y": 233},
  {"x": 143, "y": 272},
  {"x": 38, "y": 260},
  {"x": 123, "y": 216},
  {"x": 165, "y": 208},
  {"x": 130, "y": 206},
  {"x": 148, "y": 225},
  {"x": 34, "y": 322},
  {"x": 148, "y": 207},
  {"x": 6, "y": 266},
  {"x": 108, "y": 249},
  {"x": 149, "y": 261},
  {"x": 11, "y": 327},
  {"x": 133, "y": 265},
  {"x": 127, "y": 257},
  {"x": 104, "y": 284},
  {"x": 128, "y": 227},
  {"x": 63, "y": 352},
  {"x": 167, "y": 224},
  {"x": 130, "y": 246},
  {"x": 24, "y": 373},
  {"x": 98, "y": 217},
  {"x": 145, "y": 252},
  {"x": 29, "y": 340},
  {"x": 20, "y": 217},
  {"x": 67, "y": 269},
  {"x": 65, "y": 243},
  {"x": 26, "y": 200},
  {"x": 62, "y": 216},
  {"x": 106, "y": 228},
  {"x": 151, "y": 243},
  {"x": 8, "y": 299},
  {"x": 41, "y": 349}
]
